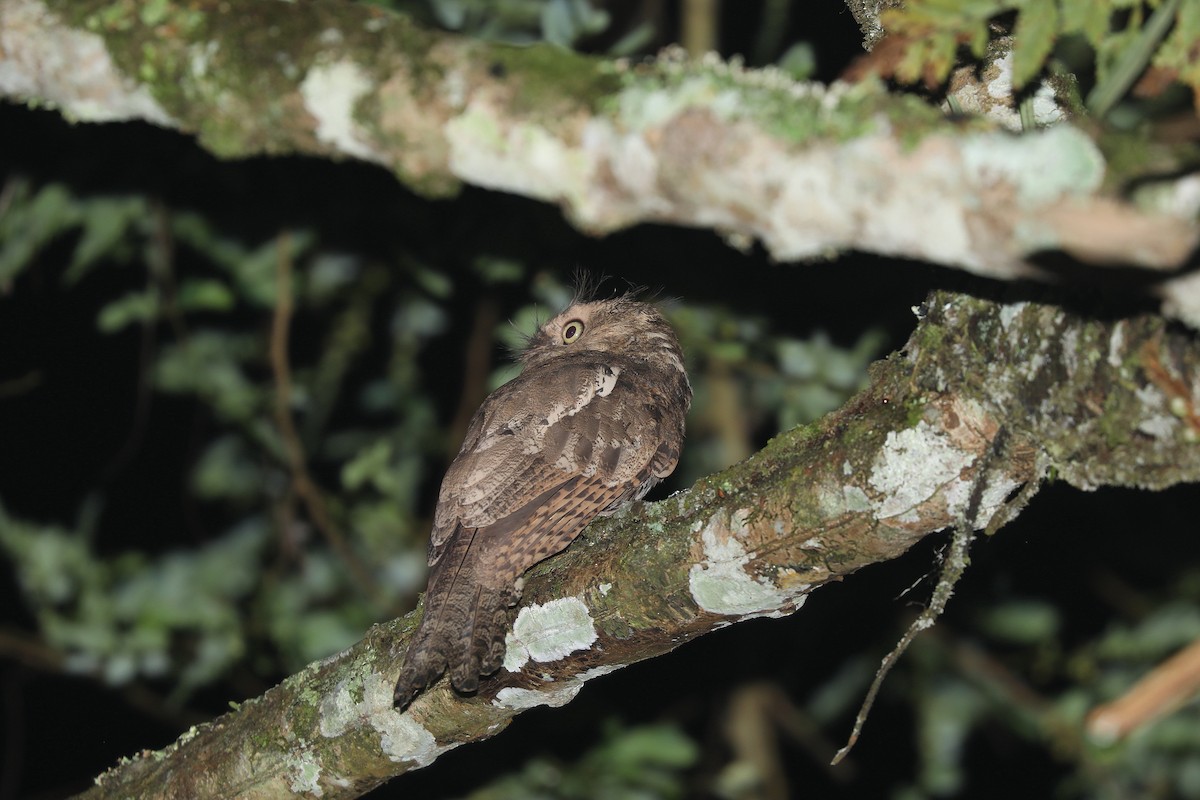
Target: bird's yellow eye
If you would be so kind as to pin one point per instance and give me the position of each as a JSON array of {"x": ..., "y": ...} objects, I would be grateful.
[{"x": 572, "y": 331}]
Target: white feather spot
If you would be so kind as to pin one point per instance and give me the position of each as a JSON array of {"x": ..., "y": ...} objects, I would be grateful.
[{"x": 606, "y": 381}]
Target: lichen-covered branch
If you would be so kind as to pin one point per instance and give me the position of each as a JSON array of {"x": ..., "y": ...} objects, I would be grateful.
[
  {"x": 808, "y": 170},
  {"x": 1091, "y": 403}
]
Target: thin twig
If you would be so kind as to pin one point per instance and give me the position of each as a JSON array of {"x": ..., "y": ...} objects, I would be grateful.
[
  {"x": 22, "y": 385},
  {"x": 36, "y": 655},
  {"x": 952, "y": 571},
  {"x": 302, "y": 483},
  {"x": 160, "y": 260},
  {"x": 1163, "y": 690},
  {"x": 30, "y": 651},
  {"x": 698, "y": 26},
  {"x": 475, "y": 371},
  {"x": 1178, "y": 392}
]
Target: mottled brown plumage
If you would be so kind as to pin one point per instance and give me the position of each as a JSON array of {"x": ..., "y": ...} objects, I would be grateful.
[{"x": 592, "y": 422}]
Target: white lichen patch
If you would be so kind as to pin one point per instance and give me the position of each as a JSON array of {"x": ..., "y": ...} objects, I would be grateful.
[
  {"x": 549, "y": 632},
  {"x": 1009, "y": 313},
  {"x": 1070, "y": 350},
  {"x": 517, "y": 157},
  {"x": 369, "y": 701},
  {"x": 555, "y": 695},
  {"x": 521, "y": 699},
  {"x": 1041, "y": 166},
  {"x": 401, "y": 738},
  {"x": 856, "y": 499},
  {"x": 913, "y": 465},
  {"x": 1181, "y": 298},
  {"x": 945, "y": 236},
  {"x": 720, "y": 583},
  {"x": 330, "y": 37},
  {"x": 330, "y": 92},
  {"x": 924, "y": 464},
  {"x": 596, "y": 672},
  {"x": 1158, "y": 426},
  {"x": 957, "y": 495},
  {"x": 1116, "y": 344},
  {"x": 653, "y": 106},
  {"x": 304, "y": 774},
  {"x": 48, "y": 60},
  {"x": 994, "y": 97},
  {"x": 1160, "y": 420},
  {"x": 201, "y": 57}
]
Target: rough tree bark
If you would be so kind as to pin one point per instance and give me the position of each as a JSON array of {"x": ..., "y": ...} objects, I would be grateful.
[{"x": 806, "y": 169}]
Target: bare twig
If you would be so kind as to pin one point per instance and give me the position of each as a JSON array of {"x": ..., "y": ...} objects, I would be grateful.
[
  {"x": 1167, "y": 687},
  {"x": 475, "y": 371},
  {"x": 699, "y": 23},
  {"x": 302, "y": 483},
  {"x": 726, "y": 415},
  {"x": 160, "y": 260},
  {"x": 19, "y": 386},
  {"x": 1179, "y": 394},
  {"x": 34, "y": 654}
]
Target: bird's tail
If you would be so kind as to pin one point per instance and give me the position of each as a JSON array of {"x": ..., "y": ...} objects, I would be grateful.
[{"x": 463, "y": 629}]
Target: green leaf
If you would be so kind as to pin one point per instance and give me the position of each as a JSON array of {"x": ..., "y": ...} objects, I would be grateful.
[
  {"x": 31, "y": 224},
  {"x": 800, "y": 61},
  {"x": 947, "y": 713},
  {"x": 1177, "y": 51},
  {"x": 1130, "y": 59},
  {"x": 1088, "y": 17},
  {"x": 130, "y": 309},
  {"x": 255, "y": 274},
  {"x": 154, "y": 12},
  {"x": 207, "y": 364},
  {"x": 436, "y": 283},
  {"x": 331, "y": 273},
  {"x": 564, "y": 21},
  {"x": 368, "y": 465},
  {"x": 205, "y": 295},
  {"x": 419, "y": 318},
  {"x": 651, "y": 745},
  {"x": 1026, "y": 622},
  {"x": 106, "y": 222},
  {"x": 228, "y": 470},
  {"x": 1033, "y": 39},
  {"x": 493, "y": 269}
]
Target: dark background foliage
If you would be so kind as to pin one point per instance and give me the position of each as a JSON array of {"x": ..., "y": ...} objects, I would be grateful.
[{"x": 106, "y": 430}]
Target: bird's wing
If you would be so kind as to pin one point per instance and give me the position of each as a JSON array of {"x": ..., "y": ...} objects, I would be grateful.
[{"x": 587, "y": 444}]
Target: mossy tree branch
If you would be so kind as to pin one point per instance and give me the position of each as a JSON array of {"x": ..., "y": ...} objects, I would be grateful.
[
  {"x": 806, "y": 169},
  {"x": 1092, "y": 403}
]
